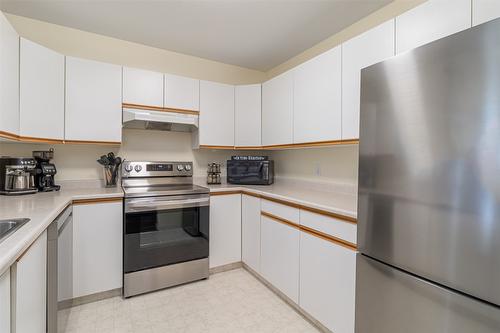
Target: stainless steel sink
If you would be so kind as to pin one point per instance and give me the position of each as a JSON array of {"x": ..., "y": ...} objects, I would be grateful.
[{"x": 7, "y": 227}]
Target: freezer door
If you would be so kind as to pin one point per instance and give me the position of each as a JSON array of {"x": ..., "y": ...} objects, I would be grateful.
[
  {"x": 429, "y": 175},
  {"x": 391, "y": 301}
]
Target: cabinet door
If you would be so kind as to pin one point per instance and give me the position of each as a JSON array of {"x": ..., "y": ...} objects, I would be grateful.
[
  {"x": 216, "y": 114},
  {"x": 97, "y": 248},
  {"x": 362, "y": 51},
  {"x": 247, "y": 113},
  {"x": 9, "y": 77},
  {"x": 182, "y": 93},
  {"x": 41, "y": 92},
  {"x": 29, "y": 275},
  {"x": 277, "y": 110},
  {"x": 484, "y": 11},
  {"x": 93, "y": 101},
  {"x": 225, "y": 229},
  {"x": 317, "y": 114},
  {"x": 250, "y": 231},
  {"x": 430, "y": 21},
  {"x": 279, "y": 261},
  {"x": 142, "y": 87},
  {"x": 327, "y": 282},
  {"x": 5, "y": 302}
]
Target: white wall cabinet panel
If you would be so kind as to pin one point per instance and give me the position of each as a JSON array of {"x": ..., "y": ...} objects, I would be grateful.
[
  {"x": 327, "y": 282},
  {"x": 484, "y": 11},
  {"x": 280, "y": 256},
  {"x": 277, "y": 110},
  {"x": 317, "y": 114},
  {"x": 142, "y": 87},
  {"x": 9, "y": 77},
  {"x": 361, "y": 51},
  {"x": 182, "y": 93},
  {"x": 225, "y": 229},
  {"x": 97, "y": 256},
  {"x": 29, "y": 279},
  {"x": 41, "y": 92},
  {"x": 93, "y": 101},
  {"x": 250, "y": 231},
  {"x": 329, "y": 225},
  {"x": 430, "y": 21},
  {"x": 248, "y": 101},
  {"x": 5, "y": 302},
  {"x": 216, "y": 114}
]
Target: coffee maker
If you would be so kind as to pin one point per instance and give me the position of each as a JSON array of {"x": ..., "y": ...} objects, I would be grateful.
[
  {"x": 45, "y": 171},
  {"x": 17, "y": 175}
]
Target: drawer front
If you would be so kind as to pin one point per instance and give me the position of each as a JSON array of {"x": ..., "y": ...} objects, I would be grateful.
[
  {"x": 329, "y": 225},
  {"x": 285, "y": 212}
]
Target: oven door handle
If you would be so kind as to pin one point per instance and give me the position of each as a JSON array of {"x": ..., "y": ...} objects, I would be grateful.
[{"x": 141, "y": 206}]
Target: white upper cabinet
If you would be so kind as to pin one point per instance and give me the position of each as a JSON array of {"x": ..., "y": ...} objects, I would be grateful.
[
  {"x": 142, "y": 87},
  {"x": 247, "y": 113},
  {"x": 216, "y": 114},
  {"x": 93, "y": 101},
  {"x": 317, "y": 114},
  {"x": 484, "y": 11},
  {"x": 41, "y": 92},
  {"x": 277, "y": 110},
  {"x": 182, "y": 93},
  {"x": 364, "y": 50},
  {"x": 9, "y": 77},
  {"x": 430, "y": 21}
]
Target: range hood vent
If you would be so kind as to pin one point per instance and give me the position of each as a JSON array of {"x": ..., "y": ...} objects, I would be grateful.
[{"x": 159, "y": 120}]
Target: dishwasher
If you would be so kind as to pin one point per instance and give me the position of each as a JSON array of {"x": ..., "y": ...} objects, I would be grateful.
[{"x": 59, "y": 270}]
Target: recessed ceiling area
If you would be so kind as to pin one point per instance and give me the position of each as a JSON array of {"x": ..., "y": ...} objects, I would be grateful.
[{"x": 253, "y": 34}]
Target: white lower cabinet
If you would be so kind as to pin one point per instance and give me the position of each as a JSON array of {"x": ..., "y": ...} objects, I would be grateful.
[
  {"x": 327, "y": 282},
  {"x": 5, "y": 302},
  {"x": 250, "y": 231},
  {"x": 225, "y": 229},
  {"x": 280, "y": 256},
  {"x": 97, "y": 247},
  {"x": 29, "y": 289}
]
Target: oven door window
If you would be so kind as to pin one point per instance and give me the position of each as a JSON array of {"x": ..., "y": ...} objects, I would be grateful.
[{"x": 164, "y": 237}]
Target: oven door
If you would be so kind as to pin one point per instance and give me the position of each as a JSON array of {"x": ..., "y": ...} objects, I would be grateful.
[{"x": 165, "y": 230}]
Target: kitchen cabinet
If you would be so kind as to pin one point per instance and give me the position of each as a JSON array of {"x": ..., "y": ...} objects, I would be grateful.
[
  {"x": 430, "y": 21},
  {"x": 247, "y": 115},
  {"x": 317, "y": 113},
  {"x": 9, "y": 77},
  {"x": 142, "y": 87},
  {"x": 181, "y": 93},
  {"x": 5, "y": 302},
  {"x": 327, "y": 282},
  {"x": 250, "y": 231},
  {"x": 484, "y": 11},
  {"x": 225, "y": 229},
  {"x": 277, "y": 110},
  {"x": 279, "y": 262},
  {"x": 375, "y": 45},
  {"x": 29, "y": 287},
  {"x": 97, "y": 247},
  {"x": 41, "y": 94},
  {"x": 216, "y": 114},
  {"x": 93, "y": 101}
]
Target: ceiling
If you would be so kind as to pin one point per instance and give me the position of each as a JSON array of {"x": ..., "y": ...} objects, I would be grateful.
[{"x": 257, "y": 34}]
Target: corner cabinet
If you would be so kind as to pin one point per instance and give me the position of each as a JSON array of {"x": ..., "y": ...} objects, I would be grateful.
[
  {"x": 142, "y": 87},
  {"x": 41, "y": 94},
  {"x": 247, "y": 115},
  {"x": 484, "y": 11},
  {"x": 9, "y": 78},
  {"x": 5, "y": 301},
  {"x": 93, "y": 101},
  {"x": 250, "y": 231}
]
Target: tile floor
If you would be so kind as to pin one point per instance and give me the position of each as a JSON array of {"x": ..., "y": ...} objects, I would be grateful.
[{"x": 232, "y": 301}]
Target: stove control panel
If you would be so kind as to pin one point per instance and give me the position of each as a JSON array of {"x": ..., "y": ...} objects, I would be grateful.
[{"x": 136, "y": 169}]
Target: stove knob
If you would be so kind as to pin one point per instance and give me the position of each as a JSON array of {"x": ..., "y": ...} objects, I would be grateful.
[
  {"x": 129, "y": 167},
  {"x": 138, "y": 168},
  {"x": 180, "y": 167},
  {"x": 187, "y": 167}
]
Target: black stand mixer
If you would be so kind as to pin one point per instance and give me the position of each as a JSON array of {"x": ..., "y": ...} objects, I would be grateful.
[{"x": 45, "y": 171}]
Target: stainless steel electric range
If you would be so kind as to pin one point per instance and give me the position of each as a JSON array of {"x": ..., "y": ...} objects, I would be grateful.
[{"x": 166, "y": 224}]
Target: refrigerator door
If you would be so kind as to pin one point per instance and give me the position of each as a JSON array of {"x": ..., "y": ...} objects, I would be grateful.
[
  {"x": 389, "y": 301},
  {"x": 429, "y": 175}
]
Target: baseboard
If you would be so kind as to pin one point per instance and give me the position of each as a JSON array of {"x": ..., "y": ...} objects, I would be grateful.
[
  {"x": 225, "y": 268},
  {"x": 89, "y": 298}
]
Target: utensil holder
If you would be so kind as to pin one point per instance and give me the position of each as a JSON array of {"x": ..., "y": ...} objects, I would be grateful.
[{"x": 110, "y": 175}]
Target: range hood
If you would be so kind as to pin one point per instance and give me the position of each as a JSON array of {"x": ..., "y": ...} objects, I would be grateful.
[{"x": 159, "y": 120}]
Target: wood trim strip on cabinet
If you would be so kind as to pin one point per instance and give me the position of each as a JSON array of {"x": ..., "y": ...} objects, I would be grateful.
[
  {"x": 248, "y": 148},
  {"x": 85, "y": 142},
  {"x": 329, "y": 238},
  {"x": 158, "y": 108},
  {"x": 39, "y": 140},
  {"x": 312, "y": 144},
  {"x": 280, "y": 220},
  {"x": 217, "y": 147},
  {"x": 96, "y": 200},
  {"x": 10, "y": 136},
  {"x": 224, "y": 193}
]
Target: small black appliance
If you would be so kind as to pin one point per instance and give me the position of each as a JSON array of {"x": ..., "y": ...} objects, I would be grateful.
[
  {"x": 250, "y": 170},
  {"x": 45, "y": 171}
]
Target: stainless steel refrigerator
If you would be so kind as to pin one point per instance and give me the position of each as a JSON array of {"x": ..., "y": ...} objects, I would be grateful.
[{"x": 429, "y": 188}]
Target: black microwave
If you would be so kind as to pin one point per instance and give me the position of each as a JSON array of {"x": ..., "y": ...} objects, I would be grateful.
[{"x": 250, "y": 172}]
